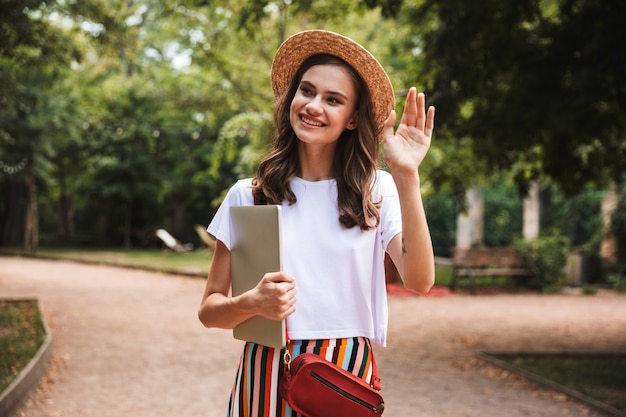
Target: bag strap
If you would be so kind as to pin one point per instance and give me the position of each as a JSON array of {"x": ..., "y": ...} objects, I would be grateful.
[{"x": 375, "y": 378}]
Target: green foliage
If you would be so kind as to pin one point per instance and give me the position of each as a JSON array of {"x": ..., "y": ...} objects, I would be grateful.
[
  {"x": 441, "y": 212},
  {"x": 242, "y": 141},
  {"x": 21, "y": 335},
  {"x": 547, "y": 256},
  {"x": 576, "y": 217},
  {"x": 589, "y": 290},
  {"x": 129, "y": 115},
  {"x": 618, "y": 280},
  {"x": 255, "y": 12},
  {"x": 503, "y": 213},
  {"x": 451, "y": 163},
  {"x": 535, "y": 85}
]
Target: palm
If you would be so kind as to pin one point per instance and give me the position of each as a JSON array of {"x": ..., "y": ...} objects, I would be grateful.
[{"x": 406, "y": 149}]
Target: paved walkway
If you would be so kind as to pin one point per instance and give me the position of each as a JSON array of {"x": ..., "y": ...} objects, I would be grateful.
[{"x": 128, "y": 343}]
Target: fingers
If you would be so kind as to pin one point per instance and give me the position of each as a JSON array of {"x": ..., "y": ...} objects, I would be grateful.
[
  {"x": 280, "y": 282},
  {"x": 421, "y": 114},
  {"x": 410, "y": 114},
  {"x": 430, "y": 121},
  {"x": 415, "y": 114},
  {"x": 278, "y": 277},
  {"x": 277, "y": 295}
]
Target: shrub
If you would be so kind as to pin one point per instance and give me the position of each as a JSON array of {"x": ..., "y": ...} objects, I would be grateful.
[
  {"x": 547, "y": 256},
  {"x": 618, "y": 280}
]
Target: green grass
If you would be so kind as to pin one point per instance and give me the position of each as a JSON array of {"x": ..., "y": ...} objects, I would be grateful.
[
  {"x": 21, "y": 335},
  {"x": 601, "y": 377},
  {"x": 194, "y": 263},
  {"x": 443, "y": 277}
]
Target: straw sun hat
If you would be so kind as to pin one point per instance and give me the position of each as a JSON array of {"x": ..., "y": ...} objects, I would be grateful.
[{"x": 302, "y": 45}]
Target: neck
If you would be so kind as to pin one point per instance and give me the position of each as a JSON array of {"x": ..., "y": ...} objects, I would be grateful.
[{"x": 316, "y": 163}]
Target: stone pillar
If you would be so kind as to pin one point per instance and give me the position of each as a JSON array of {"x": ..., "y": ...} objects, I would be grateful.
[
  {"x": 469, "y": 226},
  {"x": 607, "y": 247},
  {"x": 531, "y": 215}
]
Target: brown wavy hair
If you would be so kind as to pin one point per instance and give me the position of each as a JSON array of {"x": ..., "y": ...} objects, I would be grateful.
[{"x": 355, "y": 160}]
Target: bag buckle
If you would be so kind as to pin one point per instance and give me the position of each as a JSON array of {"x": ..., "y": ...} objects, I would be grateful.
[{"x": 287, "y": 360}]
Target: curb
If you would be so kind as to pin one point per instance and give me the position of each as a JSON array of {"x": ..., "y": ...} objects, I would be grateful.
[
  {"x": 591, "y": 402},
  {"x": 16, "y": 394}
]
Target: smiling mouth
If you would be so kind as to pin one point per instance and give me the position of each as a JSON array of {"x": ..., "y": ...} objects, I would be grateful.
[{"x": 311, "y": 122}]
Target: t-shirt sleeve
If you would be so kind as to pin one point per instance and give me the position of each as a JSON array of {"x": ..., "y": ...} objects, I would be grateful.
[
  {"x": 390, "y": 216},
  {"x": 240, "y": 194}
]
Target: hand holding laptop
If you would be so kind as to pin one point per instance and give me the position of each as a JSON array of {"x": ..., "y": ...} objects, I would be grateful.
[{"x": 275, "y": 296}]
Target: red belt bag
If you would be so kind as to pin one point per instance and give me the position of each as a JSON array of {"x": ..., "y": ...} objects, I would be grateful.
[{"x": 314, "y": 387}]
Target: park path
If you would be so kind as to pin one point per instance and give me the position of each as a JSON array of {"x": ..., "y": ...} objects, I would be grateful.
[{"x": 128, "y": 343}]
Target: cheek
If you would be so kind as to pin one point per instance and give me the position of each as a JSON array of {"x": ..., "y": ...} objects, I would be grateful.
[
  {"x": 296, "y": 102},
  {"x": 292, "y": 109}
]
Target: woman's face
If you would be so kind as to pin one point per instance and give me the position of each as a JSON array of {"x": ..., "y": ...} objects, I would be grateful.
[{"x": 324, "y": 105}]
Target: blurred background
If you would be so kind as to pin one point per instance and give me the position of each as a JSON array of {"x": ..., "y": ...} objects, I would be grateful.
[{"x": 122, "y": 118}]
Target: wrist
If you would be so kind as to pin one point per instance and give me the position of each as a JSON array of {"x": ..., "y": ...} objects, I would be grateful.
[{"x": 408, "y": 177}]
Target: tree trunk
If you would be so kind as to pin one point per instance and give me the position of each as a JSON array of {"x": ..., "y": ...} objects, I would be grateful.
[
  {"x": 128, "y": 226},
  {"x": 178, "y": 219},
  {"x": 66, "y": 221},
  {"x": 103, "y": 224},
  {"x": 13, "y": 228},
  {"x": 31, "y": 223}
]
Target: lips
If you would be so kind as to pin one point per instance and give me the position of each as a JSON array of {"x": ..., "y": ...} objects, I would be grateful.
[{"x": 311, "y": 122}]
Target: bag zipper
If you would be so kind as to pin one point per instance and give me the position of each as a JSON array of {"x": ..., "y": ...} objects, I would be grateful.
[{"x": 374, "y": 408}]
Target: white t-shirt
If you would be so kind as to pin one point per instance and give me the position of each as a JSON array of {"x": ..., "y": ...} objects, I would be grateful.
[{"x": 339, "y": 272}]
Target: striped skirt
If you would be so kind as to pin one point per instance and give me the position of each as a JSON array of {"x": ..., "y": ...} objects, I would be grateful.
[{"x": 255, "y": 392}]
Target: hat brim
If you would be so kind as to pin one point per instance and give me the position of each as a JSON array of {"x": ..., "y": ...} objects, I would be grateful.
[{"x": 303, "y": 45}]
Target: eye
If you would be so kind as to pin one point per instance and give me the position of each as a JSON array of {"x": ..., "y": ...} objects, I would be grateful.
[{"x": 306, "y": 91}]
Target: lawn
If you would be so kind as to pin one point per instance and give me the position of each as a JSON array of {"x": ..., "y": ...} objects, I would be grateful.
[
  {"x": 192, "y": 263},
  {"x": 21, "y": 335},
  {"x": 601, "y": 377}
]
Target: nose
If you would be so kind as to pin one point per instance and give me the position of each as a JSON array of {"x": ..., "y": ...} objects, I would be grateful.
[{"x": 314, "y": 106}]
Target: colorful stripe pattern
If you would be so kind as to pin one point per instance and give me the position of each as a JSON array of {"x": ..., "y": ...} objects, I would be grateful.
[{"x": 255, "y": 392}]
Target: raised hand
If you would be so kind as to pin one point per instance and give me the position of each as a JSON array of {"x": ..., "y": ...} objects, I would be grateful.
[{"x": 405, "y": 149}]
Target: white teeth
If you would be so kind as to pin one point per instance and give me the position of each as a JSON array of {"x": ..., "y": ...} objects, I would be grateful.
[{"x": 311, "y": 122}]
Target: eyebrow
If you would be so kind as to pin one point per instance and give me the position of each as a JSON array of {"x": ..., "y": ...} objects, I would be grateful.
[{"x": 337, "y": 93}]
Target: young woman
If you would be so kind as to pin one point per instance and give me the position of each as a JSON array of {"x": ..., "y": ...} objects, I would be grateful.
[{"x": 340, "y": 215}]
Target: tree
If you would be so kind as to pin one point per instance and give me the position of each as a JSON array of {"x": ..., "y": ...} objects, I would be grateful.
[
  {"x": 536, "y": 86},
  {"x": 113, "y": 113},
  {"x": 33, "y": 56}
]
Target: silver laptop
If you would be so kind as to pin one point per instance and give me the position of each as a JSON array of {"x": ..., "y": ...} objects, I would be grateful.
[{"x": 256, "y": 250}]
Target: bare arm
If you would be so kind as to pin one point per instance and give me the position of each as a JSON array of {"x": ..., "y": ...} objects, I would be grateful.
[
  {"x": 411, "y": 251},
  {"x": 273, "y": 297}
]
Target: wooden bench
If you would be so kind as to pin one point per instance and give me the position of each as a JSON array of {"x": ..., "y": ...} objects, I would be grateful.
[
  {"x": 171, "y": 242},
  {"x": 488, "y": 262}
]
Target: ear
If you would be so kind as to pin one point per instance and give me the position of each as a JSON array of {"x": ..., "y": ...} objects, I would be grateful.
[{"x": 354, "y": 122}]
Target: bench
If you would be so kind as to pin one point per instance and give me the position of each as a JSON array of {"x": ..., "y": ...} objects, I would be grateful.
[
  {"x": 171, "y": 242},
  {"x": 488, "y": 262}
]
